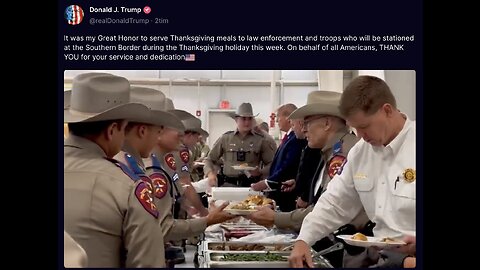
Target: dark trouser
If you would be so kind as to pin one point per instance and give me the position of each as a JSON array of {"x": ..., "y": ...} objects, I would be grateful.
[
  {"x": 176, "y": 210},
  {"x": 240, "y": 181},
  {"x": 284, "y": 200},
  {"x": 203, "y": 199}
]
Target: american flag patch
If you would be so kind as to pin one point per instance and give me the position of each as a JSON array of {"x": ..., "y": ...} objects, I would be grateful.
[
  {"x": 190, "y": 57},
  {"x": 74, "y": 14}
]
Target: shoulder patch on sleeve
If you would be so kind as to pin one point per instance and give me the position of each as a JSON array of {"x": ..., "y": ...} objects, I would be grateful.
[
  {"x": 145, "y": 197},
  {"x": 170, "y": 161},
  {"x": 184, "y": 155},
  {"x": 160, "y": 184},
  {"x": 335, "y": 166},
  {"x": 125, "y": 169}
]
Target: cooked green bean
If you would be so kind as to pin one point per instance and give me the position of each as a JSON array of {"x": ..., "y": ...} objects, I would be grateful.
[{"x": 253, "y": 257}]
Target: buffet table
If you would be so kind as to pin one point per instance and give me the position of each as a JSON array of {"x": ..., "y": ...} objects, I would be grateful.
[{"x": 240, "y": 243}]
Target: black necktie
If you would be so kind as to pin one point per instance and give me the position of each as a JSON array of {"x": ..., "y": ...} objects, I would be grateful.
[{"x": 312, "y": 198}]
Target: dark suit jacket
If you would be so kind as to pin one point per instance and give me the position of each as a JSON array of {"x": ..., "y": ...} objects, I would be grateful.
[
  {"x": 309, "y": 162},
  {"x": 285, "y": 167}
]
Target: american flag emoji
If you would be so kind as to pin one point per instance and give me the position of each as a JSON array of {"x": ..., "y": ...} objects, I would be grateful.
[
  {"x": 190, "y": 57},
  {"x": 74, "y": 14}
]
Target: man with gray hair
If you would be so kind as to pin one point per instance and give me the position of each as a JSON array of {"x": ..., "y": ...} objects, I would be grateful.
[
  {"x": 384, "y": 187},
  {"x": 326, "y": 130}
]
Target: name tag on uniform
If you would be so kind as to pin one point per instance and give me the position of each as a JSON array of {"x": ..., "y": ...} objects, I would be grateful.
[{"x": 359, "y": 176}]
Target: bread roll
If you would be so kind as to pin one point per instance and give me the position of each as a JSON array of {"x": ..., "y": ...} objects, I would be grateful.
[{"x": 359, "y": 236}]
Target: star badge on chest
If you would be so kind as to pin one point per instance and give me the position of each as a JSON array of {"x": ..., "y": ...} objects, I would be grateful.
[{"x": 409, "y": 175}]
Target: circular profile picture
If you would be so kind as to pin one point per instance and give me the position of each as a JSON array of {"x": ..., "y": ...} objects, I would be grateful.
[{"x": 74, "y": 14}]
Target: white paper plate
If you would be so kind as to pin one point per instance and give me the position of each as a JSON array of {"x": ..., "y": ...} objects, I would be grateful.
[
  {"x": 239, "y": 212},
  {"x": 372, "y": 241},
  {"x": 243, "y": 168}
]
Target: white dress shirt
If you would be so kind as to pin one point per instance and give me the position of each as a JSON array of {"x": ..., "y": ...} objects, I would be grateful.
[{"x": 373, "y": 178}]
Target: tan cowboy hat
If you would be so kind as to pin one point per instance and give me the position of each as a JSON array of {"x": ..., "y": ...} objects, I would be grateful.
[
  {"x": 195, "y": 124},
  {"x": 155, "y": 101},
  {"x": 319, "y": 102},
  {"x": 66, "y": 99},
  {"x": 189, "y": 121},
  {"x": 169, "y": 104},
  {"x": 244, "y": 110},
  {"x": 258, "y": 121},
  {"x": 181, "y": 114},
  {"x": 178, "y": 113},
  {"x": 101, "y": 97}
]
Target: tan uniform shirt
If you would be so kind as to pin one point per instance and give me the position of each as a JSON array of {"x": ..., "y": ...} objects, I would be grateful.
[
  {"x": 183, "y": 161},
  {"x": 110, "y": 215},
  {"x": 334, "y": 157},
  {"x": 73, "y": 254},
  {"x": 173, "y": 229},
  {"x": 195, "y": 154},
  {"x": 234, "y": 150},
  {"x": 198, "y": 153}
]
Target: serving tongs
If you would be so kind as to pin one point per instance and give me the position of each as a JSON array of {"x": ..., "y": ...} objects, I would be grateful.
[
  {"x": 317, "y": 255},
  {"x": 335, "y": 247}
]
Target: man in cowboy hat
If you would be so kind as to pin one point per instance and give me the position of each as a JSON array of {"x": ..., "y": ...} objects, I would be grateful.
[
  {"x": 378, "y": 178},
  {"x": 141, "y": 138},
  {"x": 242, "y": 146},
  {"x": 184, "y": 162},
  {"x": 325, "y": 129},
  {"x": 189, "y": 140},
  {"x": 108, "y": 210},
  {"x": 199, "y": 154},
  {"x": 177, "y": 161},
  {"x": 167, "y": 145}
]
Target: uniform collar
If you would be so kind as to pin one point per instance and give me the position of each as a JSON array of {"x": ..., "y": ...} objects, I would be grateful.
[
  {"x": 251, "y": 132},
  {"x": 83, "y": 143},
  {"x": 398, "y": 141},
  {"x": 133, "y": 152},
  {"x": 183, "y": 146},
  {"x": 158, "y": 152},
  {"x": 336, "y": 137}
]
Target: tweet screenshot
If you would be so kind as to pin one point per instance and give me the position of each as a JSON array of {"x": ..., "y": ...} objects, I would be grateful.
[{"x": 241, "y": 134}]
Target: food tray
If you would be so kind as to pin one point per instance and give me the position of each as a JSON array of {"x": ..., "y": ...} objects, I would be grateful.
[
  {"x": 223, "y": 259},
  {"x": 245, "y": 246}
]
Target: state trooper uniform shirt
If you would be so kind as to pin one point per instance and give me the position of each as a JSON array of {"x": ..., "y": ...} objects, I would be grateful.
[
  {"x": 183, "y": 161},
  {"x": 334, "y": 156},
  {"x": 252, "y": 149},
  {"x": 173, "y": 229},
  {"x": 109, "y": 210}
]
